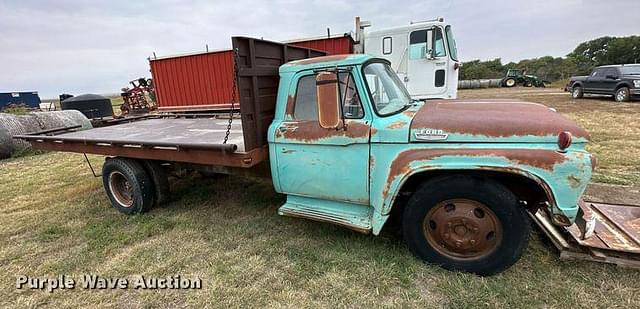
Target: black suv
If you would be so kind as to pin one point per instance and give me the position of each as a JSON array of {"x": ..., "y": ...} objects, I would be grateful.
[{"x": 621, "y": 81}]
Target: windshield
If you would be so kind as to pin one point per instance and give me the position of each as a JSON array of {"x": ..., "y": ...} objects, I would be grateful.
[
  {"x": 630, "y": 70},
  {"x": 453, "y": 52},
  {"x": 385, "y": 89}
]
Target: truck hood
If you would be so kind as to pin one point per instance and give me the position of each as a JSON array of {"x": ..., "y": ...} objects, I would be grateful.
[{"x": 490, "y": 121}]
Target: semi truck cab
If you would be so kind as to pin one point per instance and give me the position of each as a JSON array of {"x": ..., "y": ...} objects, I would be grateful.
[{"x": 423, "y": 54}]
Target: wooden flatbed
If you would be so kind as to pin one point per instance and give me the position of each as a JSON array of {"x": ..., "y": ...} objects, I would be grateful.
[{"x": 165, "y": 138}]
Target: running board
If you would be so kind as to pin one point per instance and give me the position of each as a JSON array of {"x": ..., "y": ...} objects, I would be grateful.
[
  {"x": 353, "y": 216},
  {"x": 614, "y": 237}
]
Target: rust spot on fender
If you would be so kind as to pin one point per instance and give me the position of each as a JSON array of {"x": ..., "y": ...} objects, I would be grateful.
[
  {"x": 494, "y": 118},
  {"x": 396, "y": 125},
  {"x": 544, "y": 159},
  {"x": 573, "y": 181},
  {"x": 320, "y": 59},
  {"x": 310, "y": 131}
]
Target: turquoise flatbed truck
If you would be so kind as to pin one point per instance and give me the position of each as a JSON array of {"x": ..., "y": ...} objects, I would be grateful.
[{"x": 341, "y": 137}]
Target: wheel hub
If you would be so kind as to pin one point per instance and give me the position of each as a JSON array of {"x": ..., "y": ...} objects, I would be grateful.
[
  {"x": 463, "y": 229},
  {"x": 121, "y": 189}
]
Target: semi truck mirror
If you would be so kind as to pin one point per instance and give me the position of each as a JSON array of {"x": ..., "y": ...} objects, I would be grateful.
[{"x": 328, "y": 100}]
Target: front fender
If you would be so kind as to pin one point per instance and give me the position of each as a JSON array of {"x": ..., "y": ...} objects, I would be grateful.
[{"x": 563, "y": 176}]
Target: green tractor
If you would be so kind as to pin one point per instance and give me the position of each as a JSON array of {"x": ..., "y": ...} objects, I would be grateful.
[{"x": 517, "y": 77}]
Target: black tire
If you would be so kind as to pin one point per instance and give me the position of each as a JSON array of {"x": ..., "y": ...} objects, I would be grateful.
[
  {"x": 128, "y": 185},
  {"x": 577, "y": 92},
  {"x": 622, "y": 94},
  {"x": 528, "y": 84},
  {"x": 505, "y": 244},
  {"x": 509, "y": 82},
  {"x": 158, "y": 175}
]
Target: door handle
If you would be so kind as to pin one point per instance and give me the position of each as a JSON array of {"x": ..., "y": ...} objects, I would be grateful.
[{"x": 288, "y": 128}]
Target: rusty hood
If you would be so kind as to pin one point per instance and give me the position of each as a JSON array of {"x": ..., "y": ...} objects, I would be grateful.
[{"x": 504, "y": 121}]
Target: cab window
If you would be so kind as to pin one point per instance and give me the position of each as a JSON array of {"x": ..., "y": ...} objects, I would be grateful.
[
  {"x": 305, "y": 107},
  {"x": 420, "y": 43}
]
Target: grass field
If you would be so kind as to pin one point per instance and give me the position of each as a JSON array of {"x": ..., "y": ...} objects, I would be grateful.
[{"x": 55, "y": 219}]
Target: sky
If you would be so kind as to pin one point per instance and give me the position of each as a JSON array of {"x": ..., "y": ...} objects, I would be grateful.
[{"x": 75, "y": 46}]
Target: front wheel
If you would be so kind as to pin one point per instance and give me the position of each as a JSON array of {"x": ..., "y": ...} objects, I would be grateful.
[
  {"x": 622, "y": 94},
  {"x": 576, "y": 92},
  {"x": 466, "y": 224}
]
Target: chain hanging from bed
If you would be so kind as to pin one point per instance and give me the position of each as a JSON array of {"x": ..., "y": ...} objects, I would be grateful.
[{"x": 233, "y": 94}]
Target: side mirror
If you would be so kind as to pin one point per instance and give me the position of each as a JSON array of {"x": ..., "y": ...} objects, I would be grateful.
[{"x": 328, "y": 100}]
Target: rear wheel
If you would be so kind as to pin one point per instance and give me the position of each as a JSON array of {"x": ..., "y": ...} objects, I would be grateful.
[
  {"x": 577, "y": 92},
  {"x": 466, "y": 224},
  {"x": 509, "y": 82},
  {"x": 158, "y": 176},
  {"x": 128, "y": 185},
  {"x": 622, "y": 94}
]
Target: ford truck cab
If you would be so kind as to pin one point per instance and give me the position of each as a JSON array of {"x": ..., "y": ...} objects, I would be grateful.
[{"x": 349, "y": 146}]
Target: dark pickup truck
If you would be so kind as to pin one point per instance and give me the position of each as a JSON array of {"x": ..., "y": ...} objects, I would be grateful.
[{"x": 621, "y": 81}]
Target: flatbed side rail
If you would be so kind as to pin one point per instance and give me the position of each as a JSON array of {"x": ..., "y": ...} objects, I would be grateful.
[{"x": 210, "y": 154}]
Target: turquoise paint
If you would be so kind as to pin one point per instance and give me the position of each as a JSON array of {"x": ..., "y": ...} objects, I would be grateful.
[
  {"x": 566, "y": 194},
  {"x": 341, "y": 176},
  {"x": 349, "y": 60},
  {"x": 346, "y": 214},
  {"x": 335, "y": 167}
]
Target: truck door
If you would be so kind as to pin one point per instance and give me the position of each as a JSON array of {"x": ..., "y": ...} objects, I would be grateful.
[
  {"x": 594, "y": 82},
  {"x": 427, "y": 64},
  {"x": 323, "y": 163},
  {"x": 610, "y": 80}
]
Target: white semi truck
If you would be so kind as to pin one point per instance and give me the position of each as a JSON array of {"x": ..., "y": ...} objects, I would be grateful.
[{"x": 423, "y": 54}]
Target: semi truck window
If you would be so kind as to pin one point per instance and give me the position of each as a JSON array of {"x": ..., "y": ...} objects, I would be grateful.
[
  {"x": 438, "y": 49},
  {"x": 451, "y": 42},
  {"x": 386, "y": 45},
  {"x": 418, "y": 44},
  {"x": 305, "y": 104}
]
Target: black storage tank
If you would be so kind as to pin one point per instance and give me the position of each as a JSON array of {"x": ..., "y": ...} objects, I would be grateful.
[{"x": 91, "y": 105}]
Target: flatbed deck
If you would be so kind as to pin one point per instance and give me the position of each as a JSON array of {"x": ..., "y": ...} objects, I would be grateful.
[{"x": 189, "y": 140}]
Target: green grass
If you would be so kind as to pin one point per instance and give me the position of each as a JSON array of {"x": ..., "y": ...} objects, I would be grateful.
[{"x": 55, "y": 219}]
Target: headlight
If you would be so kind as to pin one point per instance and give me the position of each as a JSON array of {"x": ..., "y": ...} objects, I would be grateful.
[{"x": 636, "y": 83}]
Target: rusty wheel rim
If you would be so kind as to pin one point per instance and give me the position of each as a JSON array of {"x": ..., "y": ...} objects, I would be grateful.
[
  {"x": 121, "y": 189},
  {"x": 462, "y": 229}
]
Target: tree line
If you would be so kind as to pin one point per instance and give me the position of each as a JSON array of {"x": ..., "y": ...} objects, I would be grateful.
[{"x": 587, "y": 55}]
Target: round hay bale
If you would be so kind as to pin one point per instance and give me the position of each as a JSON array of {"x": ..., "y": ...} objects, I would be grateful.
[
  {"x": 13, "y": 126},
  {"x": 474, "y": 83},
  {"x": 49, "y": 120},
  {"x": 6, "y": 143},
  {"x": 78, "y": 118},
  {"x": 463, "y": 84},
  {"x": 29, "y": 123},
  {"x": 484, "y": 83},
  {"x": 62, "y": 119}
]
